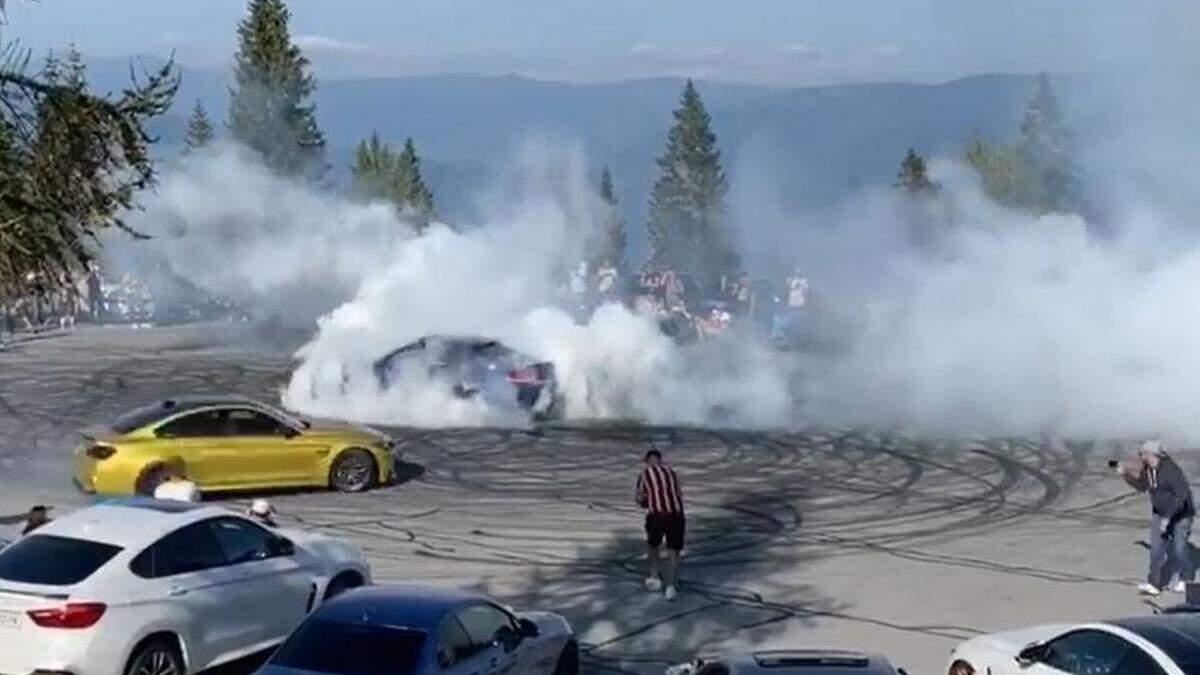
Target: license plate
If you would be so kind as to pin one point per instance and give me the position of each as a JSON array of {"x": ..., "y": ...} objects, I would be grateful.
[{"x": 10, "y": 619}]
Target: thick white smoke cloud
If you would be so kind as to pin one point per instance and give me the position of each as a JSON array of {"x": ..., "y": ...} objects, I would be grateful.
[
  {"x": 1004, "y": 321},
  {"x": 224, "y": 222},
  {"x": 961, "y": 316},
  {"x": 239, "y": 230}
]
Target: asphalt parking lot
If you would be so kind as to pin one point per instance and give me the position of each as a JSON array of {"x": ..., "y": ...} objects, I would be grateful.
[{"x": 840, "y": 537}]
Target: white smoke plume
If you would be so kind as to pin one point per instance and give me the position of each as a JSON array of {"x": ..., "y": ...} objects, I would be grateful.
[
  {"x": 1005, "y": 322},
  {"x": 958, "y": 316},
  {"x": 238, "y": 230}
]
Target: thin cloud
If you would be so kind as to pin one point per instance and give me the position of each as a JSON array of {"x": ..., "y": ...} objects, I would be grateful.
[
  {"x": 643, "y": 48},
  {"x": 320, "y": 44}
]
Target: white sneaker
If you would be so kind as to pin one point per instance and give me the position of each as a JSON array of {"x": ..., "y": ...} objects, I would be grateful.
[
  {"x": 1179, "y": 587},
  {"x": 653, "y": 584},
  {"x": 1148, "y": 589},
  {"x": 670, "y": 594}
]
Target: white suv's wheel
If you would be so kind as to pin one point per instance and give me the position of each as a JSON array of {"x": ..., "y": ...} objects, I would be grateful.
[{"x": 156, "y": 657}]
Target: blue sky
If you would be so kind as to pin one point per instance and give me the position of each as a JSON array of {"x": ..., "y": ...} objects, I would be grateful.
[{"x": 770, "y": 41}]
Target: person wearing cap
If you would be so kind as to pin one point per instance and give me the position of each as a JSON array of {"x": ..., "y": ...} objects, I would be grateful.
[
  {"x": 37, "y": 517},
  {"x": 262, "y": 511},
  {"x": 1171, "y": 511},
  {"x": 659, "y": 493}
]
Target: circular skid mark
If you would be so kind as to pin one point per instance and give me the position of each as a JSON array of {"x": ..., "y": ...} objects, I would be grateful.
[{"x": 551, "y": 514}]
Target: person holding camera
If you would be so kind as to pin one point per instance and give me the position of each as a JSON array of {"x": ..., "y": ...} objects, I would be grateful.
[{"x": 1171, "y": 513}]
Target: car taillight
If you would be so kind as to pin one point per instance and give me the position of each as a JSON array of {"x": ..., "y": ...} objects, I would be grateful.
[
  {"x": 527, "y": 375},
  {"x": 100, "y": 451},
  {"x": 70, "y": 615}
]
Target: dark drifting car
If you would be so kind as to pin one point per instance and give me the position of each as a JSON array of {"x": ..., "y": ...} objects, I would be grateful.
[{"x": 475, "y": 367}]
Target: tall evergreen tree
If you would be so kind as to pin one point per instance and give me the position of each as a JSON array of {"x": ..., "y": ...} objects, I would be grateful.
[
  {"x": 199, "y": 129},
  {"x": 374, "y": 170},
  {"x": 268, "y": 107},
  {"x": 1045, "y": 152},
  {"x": 687, "y": 202},
  {"x": 612, "y": 233},
  {"x": 913, "y": 176},
  {"x": 380, "y": 173},
  {"x": 416, "y": 198}
]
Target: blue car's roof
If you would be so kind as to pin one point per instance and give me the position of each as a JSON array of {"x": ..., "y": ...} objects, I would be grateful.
[{"x": 416, "y": 607}]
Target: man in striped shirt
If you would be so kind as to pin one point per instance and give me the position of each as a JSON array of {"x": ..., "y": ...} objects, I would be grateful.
[{"x": 658, "y": 492}]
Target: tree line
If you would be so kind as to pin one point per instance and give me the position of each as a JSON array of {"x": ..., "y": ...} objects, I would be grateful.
[
  {"x": 71, "y": 161},
  {"x": 1037, "y": 173}
]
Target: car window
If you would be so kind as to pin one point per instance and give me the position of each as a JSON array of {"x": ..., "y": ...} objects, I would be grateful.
[
  {"x": 203, "y": 423},
  {"x": 140, "y": 417},
  {"x": 406, "y": 351},
  {"x": 190, "y": 549},
  {"x": 242, "y": 541},
  {"x": 483, "y": 622},
  {"x": 1137, "y": 662},
  {"x": 249, "y": 422},
  {"x": 326, "y": 646},
  {"x": 1087, "y": 652},
  {"x": 454, "y": 644},
  {"x": 53, "y": 561}
]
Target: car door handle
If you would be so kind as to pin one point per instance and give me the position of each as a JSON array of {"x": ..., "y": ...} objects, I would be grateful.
[{"x": 177, "y": 591}]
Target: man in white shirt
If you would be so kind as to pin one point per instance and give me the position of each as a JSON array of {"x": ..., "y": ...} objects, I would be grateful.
[
  {"x": 177, "y": 488},
  {"x": 797, "y": 288}
]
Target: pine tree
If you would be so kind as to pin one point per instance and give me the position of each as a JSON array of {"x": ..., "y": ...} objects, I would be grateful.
[
  {"x": 1045, "y": 151},
  {"x": 381, "y": 173},
  {"x": 913, "y": 176},
  {"x": 374, "y": 170},
  {"x": 199, "y": 130},
  {"x": 71, "y": 163},
  {"x": 416, "y": 199},
  {"x": 612, "y": 234},
  {"x": 999, "y": 170},
  {"x": 687, "y": 202},
  {"x": 268, "y": 109}
]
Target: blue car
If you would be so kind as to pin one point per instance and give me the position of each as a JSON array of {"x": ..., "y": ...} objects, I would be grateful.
[{"x": 413, "y": 630}]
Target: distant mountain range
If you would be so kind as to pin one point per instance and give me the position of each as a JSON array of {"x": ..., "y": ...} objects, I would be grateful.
[{"x": 821, "y": 139}]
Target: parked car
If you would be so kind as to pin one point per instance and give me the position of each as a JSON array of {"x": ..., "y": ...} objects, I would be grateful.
[
  {"x": 228, "y": 443},
  {"x": 146, "y": 587},
  {"x": 790, "y": 662},
  {"x": 411, "y": 630},
  {"x": 475, "y": 367},
  {"x": 1166, "y": 644}
]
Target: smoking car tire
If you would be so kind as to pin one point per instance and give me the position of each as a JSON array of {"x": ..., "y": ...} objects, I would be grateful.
[
  {"x": 353, "y": 470},
  {"x": 568, "y": 660},
  {"x": 156, "y": 657},
  {"x": 150, "y": 478}
]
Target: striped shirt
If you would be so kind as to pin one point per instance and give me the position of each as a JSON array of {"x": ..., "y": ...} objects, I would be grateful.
[{"x": 658, "y": 489}]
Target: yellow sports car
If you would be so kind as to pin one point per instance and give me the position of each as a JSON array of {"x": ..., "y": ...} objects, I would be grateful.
[{"x": 228, "y": 444}]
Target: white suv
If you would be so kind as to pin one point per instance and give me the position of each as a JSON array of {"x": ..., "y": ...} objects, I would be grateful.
[{"x": 145, "y": 587}]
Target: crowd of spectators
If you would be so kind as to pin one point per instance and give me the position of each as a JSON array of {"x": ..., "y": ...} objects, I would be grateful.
[{"x": 689, "y": 308}]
